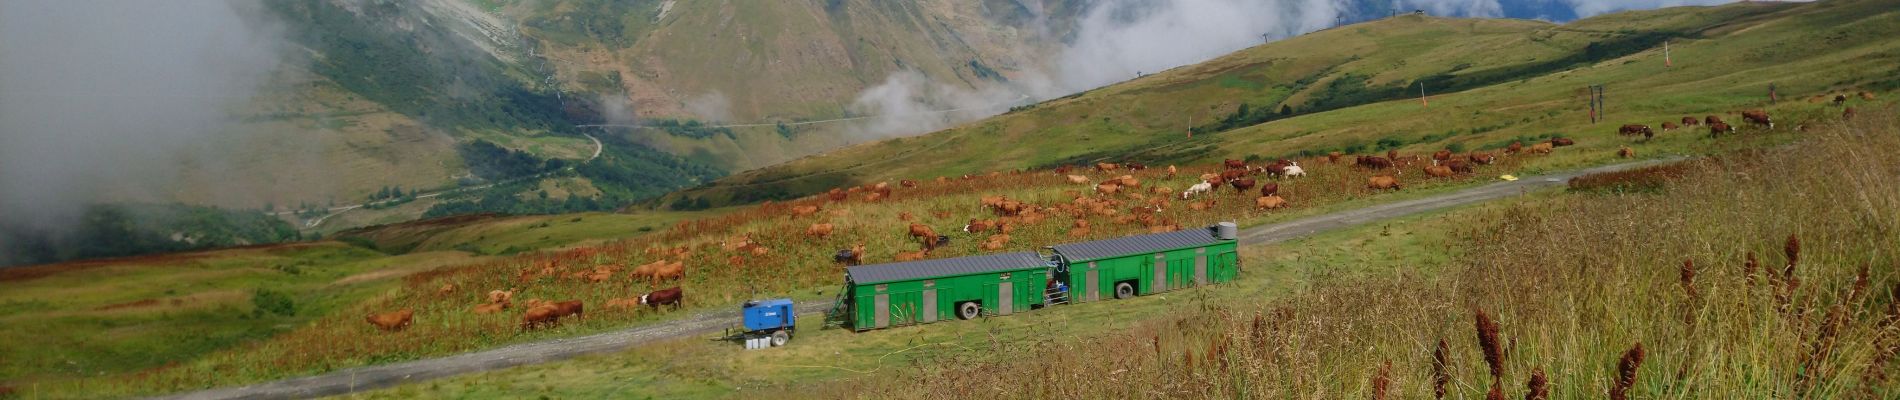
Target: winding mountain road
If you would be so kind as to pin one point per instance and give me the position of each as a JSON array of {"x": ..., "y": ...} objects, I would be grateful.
[
  {"x": 382, "y": 376},
  {"x": 337, "y": 210}
]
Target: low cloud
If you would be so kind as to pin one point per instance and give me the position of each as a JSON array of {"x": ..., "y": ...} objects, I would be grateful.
[
  {"x": 104, "y": 100},
  {"x": 711, "y": 107},
  {"x": 908, "y": 103}
]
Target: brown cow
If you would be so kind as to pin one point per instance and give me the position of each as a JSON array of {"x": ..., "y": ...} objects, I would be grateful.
[
  {"x": 1442, "y": 155},
  {"x": 1269, "y": 189},
  {"x": 1108, "y": 187},
  {"x": 979, "y": 225},
  {"x": 540, "y": 315},
  {"x": 837, "y": 194},
  {"x": 1382, "y": 183},
  {"x": 1758, "y": 117},
  {"x": 500, "y": 296},
  {"x": 927, "y": 236},
  {"x": 1514, "y": 148},
  {"x": 1171, "y": 171},
  {"x": 1840, "y": 99},
  {"x": 1105, "y": 167},
  {"x": 1269, "y": 202},
  {"x": 907, "y": 183},
  {"x": 1135, "y": 166},
  {"x": 1626, "y": 152},
  {"x": 1458, "y": 166},
  {"x": 1334, "y": 157},
  {"x": 1375, "y": 162},
  {"x": 549, "y": 313},
  {"x": 1690, "y": 121},
  {"x": 1711, "y": 119},
  {"x": 1561, "y": 142},
  {"x": 1668, "y": 126},
  {"x": 818, "y": 230},
  {"x": 1542, "y": 148},
  {"x": 568, "y": 308},
  {"x": 1632, "y": 129},
  {"x": 1438, "y": 171},
  {"x": 1128, "y": 180},
  {"x": 1242, "y": 184},
  {"x": 922, "y": 231},
  {"x": 672, "y": 296},
  {"x": 660, "y": 270},
  {"x": 1482, "y": 158},
  {"x": 1234, "y": 164},
  {"x": 1078, "y": 179},
  {"x": 1866, "y": 95},
  {"x": 1848, "y": 113},
  {"x": 996, "y": 242},
  {"x": 391, "y": 321},
  {"x": 800, "y": 211},
  {"x": 447, "y": 289},
  {"x": 490, "y": 308},
  {"x": 1718, "y": 128}
]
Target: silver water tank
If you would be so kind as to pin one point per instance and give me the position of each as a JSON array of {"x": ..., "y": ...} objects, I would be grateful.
[{"x": 1226, "y": 231}]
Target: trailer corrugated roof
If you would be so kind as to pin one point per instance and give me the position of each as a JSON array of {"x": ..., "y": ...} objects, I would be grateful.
[
  {"x": 1142, "y": 244},
  {"x": 909, "y": 270}
]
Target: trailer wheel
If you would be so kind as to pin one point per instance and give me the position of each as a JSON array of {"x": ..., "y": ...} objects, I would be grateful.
[
  {"x": 779, "y": 338},
  {"x": 968, "y": 310},
  {"x": 1124, "y": 290}
]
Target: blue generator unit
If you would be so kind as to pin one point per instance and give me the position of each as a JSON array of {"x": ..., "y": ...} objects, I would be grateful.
[{"x": 768, "y": 323}]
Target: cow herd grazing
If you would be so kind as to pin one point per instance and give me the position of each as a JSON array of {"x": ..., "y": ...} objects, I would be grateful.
[{"x": 540, "y": 313}]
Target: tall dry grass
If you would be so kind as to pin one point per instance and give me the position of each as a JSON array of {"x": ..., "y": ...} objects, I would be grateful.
[{"x": 1586, "y": 296}]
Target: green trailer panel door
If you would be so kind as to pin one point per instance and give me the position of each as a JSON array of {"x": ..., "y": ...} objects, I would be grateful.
[
  {"x": 1093, "y": 283},
  {"x": 881, "y": 306},
  {"x": 1200, "y": 266},
  {"x": 1005, "y": 298},
  {"x": 930, "y": 303},
  {"x": 1160, "y": 280}
]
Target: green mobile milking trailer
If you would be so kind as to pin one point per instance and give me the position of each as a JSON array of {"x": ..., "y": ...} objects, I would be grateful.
[
  {"x": 1147, "y": 264},
  {"x": 914, "y": 292}
]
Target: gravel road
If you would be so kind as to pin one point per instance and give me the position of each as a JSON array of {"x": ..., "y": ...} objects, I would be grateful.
[{"x": 382, "y": 376}]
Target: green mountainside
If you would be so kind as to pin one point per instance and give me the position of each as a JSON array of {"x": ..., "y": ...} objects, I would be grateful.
[{"x": 1356, "y": 89}]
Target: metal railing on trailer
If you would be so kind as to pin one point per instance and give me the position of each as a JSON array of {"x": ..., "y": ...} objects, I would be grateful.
[
  {"x": 1058, "y": 295},
  {"x": 838, "y": 316}
]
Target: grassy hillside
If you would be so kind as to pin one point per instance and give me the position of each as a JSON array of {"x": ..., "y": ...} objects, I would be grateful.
[{"x": 1511, "y": 79}]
